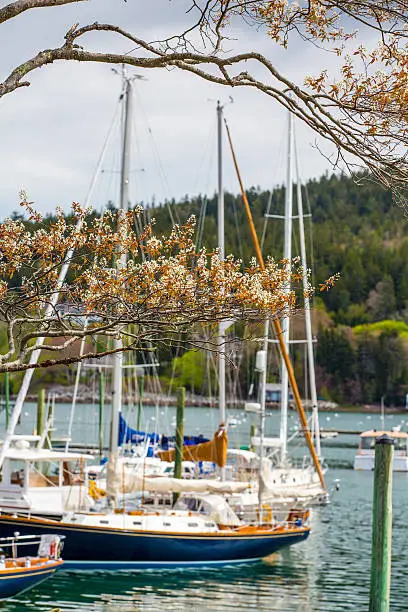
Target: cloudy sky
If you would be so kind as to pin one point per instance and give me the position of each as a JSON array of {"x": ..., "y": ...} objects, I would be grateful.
[{"x": 52, "y": 132}]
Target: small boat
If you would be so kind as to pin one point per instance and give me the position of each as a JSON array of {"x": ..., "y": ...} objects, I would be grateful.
[
  {"x": 364, "y": 460},
  {"x": 20, "y": 573}
]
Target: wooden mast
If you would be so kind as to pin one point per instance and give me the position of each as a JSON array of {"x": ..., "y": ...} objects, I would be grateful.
[{"x": 278, "y": 328}]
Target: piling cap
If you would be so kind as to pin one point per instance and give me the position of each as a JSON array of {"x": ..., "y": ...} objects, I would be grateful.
[{"x": 385, "y": 439}]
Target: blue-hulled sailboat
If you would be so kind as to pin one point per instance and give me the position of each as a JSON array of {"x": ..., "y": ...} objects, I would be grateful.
[
  {"x": 21, "y": 573},
  {"x": 200, "y": 530}
]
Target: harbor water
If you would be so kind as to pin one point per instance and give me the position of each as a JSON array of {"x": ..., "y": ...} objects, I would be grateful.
[{"x": 329, "y": 572}]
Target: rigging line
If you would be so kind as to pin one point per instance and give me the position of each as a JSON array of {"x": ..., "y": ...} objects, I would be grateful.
[
  {"x": 278, "y": 170},
  {"x": 207, "y": 154},
  {"x": 136, "y": 140},
  {"x": 159, "y": 165},
  {"x": 238, "y": 233},
  {"x": 201, "y": 222},
  {"x": 311, "y": 242},
  {"x": 148, "y": 216},
  {"x": 75, "y": 394},
  {"x": 98, "y": 167},
  {"x": 278, "y": 328},
  {"x": 88, "y": 197},
  {"x": 309, "y": 210},
  {"x": 28, "y": 374},
  {"x": 108, "y": 186},
  {"x": 211, "y": 159},
  {"x": 268, "y": 210},
  {"x": 173, "y": 369}
]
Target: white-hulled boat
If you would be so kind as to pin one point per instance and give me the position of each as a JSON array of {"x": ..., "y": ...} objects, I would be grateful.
[
  {"x": 42, "y": 482},
  {"x": 364, "y": 460}
]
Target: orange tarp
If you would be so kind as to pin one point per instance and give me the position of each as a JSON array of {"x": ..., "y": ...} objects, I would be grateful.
[{"x": 215, "y": 450}]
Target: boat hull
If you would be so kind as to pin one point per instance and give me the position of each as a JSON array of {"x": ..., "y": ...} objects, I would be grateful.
[
  {"x": 366, "y": 462},
  {"x": 18, "y": 580},
  {"x": 109, "y": 548}
]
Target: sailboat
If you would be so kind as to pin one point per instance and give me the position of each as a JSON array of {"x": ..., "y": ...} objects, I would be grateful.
[
  {"x": 201, "y": 529},
  {"x": 281, "y": 482},
  {"x": 281, "y": 479}
]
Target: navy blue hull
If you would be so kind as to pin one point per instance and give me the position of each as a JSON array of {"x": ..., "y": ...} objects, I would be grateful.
[
  {"x": 17, "y": 582},
  {"x": 109, "y": 548}
]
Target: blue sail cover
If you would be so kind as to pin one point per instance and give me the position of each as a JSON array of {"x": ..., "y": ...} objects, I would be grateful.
[
  {"x": 133, "y": 436},
  {"x": 128, "y": 435}
]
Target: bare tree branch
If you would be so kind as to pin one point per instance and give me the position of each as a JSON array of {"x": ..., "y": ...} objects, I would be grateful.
[
  {"x": 20, "y": 6},
  {"x": 344, "y": 115}
]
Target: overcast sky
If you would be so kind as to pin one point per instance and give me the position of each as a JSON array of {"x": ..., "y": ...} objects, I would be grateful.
[{"x": 52, "y": 132}]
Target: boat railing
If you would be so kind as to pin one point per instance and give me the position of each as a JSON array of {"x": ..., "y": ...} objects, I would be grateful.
[{"x": 49, "y": 545}]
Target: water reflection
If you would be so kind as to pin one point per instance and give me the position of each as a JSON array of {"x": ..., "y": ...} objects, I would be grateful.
[
  {"x": 328, "y": 573},
  {"x": 279, "y": 584}
]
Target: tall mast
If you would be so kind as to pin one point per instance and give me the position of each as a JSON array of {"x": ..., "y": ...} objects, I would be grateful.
[
  {"x": 308, "y": 321},
  {"x": 221, "y": 251},
  {"x": 262, "y": 414},
  {"x": 124, "y": 202},
  {"x": 287, "y": 254}
]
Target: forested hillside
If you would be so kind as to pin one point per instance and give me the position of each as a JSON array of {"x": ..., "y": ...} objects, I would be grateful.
[
  {"x": 361, "y": 324},
  {"x": 355, "y": 230}
]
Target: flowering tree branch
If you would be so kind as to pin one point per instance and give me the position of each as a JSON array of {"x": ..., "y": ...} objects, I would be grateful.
[{"x": 164, "y": 289}]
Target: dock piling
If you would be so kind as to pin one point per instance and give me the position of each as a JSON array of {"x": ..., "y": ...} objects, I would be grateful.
[
  {"x": 252, "y": 434},
  {"x": 140, "y": 402},
  {"x": 101, "y": 409},
  {"x": 50, "y": 421},
  {"x": 40, "y": 411},
  {"x": 7, "y": 396},
  {"x": 178, "y": 458},
  {"x": 382, "y": 526}
]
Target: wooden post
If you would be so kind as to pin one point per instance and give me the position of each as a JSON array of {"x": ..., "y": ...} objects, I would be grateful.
[
  {"x": 252, "y": 434},
  {"x": 178, "y": 458},
  {"x": 7, "y": 396},
  {"x": 140, "y": 403},
  {"x": 40, "y": 411},
  {"x": 50, "y": 419},
  {"x": 382, "y": 526},
  {"x": 101, "y": 407}
]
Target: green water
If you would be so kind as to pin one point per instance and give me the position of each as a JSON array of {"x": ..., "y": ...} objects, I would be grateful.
[{"x": 329, "y": 572}]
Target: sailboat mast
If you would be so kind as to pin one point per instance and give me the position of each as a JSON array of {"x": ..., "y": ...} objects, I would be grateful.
[
  {"x": 262, "y": 415},
  {"x": 308, "y": 321},
  {"x": 287, "y": 254},
  {"x": 124, "y": 201},
  {"x": 221, "y": 251}
]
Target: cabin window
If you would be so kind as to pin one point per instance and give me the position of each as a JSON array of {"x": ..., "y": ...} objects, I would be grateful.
[
  {"x": 192, "y": 524},
  {"x": 367, "y": 443},
  {"x": 104, "y": 522},
  {"x": 192, "y": 504},
  {"x": 137, "y": 522},
  {"x": 167, "y": 524}
]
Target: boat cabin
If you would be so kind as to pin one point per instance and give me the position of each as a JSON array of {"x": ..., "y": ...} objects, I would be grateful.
[
  {"x": 242, "y": 465},
  {"x": 364, "y": 460},
  {"x": 215, "y": 507},
  {"x": 192, "y": 513},
  {"x": 41, "y": 481}
]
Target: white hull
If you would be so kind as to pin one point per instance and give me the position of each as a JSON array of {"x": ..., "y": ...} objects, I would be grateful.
[{"x": 366, "y": 462}]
